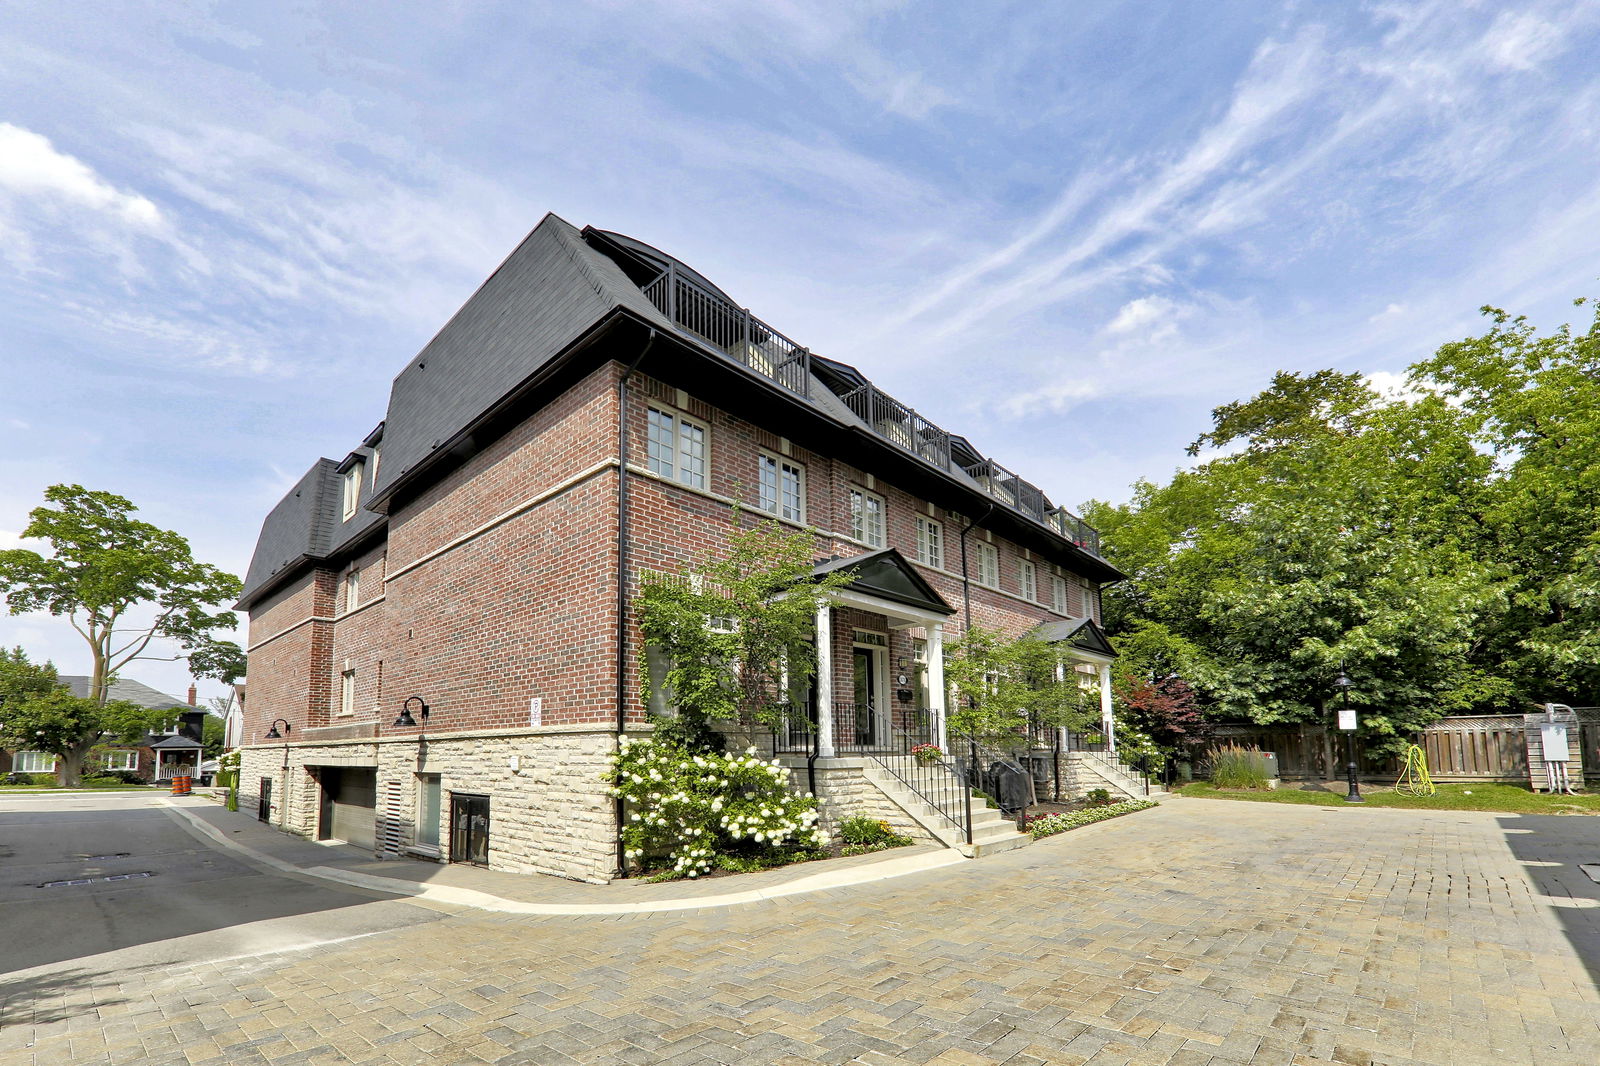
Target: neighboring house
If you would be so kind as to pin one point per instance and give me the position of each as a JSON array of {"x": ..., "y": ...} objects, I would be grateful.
[
  {"x": 598, "y": 409},
  {"x": 161, "y": 752},
  {"x": 233, "y": 718}
]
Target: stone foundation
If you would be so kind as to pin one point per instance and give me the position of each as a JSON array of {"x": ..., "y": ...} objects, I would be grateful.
[
  {"x": 550, "y": 815},
  {"x": 844, "y": 791}
]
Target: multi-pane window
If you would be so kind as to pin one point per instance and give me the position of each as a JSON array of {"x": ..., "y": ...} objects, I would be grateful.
[
  {"x": 1029, "y": 581},
  {"x": 352, "y": 588},
  {"x": 783, "y": 487},
  {"x": 930, "y": 542},
  {"x": 122, "y": 760},
  {"x": 677, "y": 448},
  {"x": 1058, "y": 594},
  {"x": 352, "y": 491},
  {"x": 988, "y": 565},
  {"x": 347, "y": 692},
  {"x": 33, "y": 762},
  {"x": 866, "y": 517}
]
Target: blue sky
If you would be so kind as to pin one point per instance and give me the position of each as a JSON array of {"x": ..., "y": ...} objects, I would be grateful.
[{"x": 1066, "y": 231}]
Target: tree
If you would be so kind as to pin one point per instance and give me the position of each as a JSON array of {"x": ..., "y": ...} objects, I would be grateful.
[
  {"x": 37, "y": 713},
  {"x": 103, "y": 567},
  {"x": 729, "y": 637}
]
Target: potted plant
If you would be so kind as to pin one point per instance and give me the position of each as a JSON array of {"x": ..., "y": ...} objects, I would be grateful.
[{"x": 927, "y": 754}]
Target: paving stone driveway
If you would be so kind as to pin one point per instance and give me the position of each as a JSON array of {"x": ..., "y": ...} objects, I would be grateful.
[{"x": 1204, "y": 932}]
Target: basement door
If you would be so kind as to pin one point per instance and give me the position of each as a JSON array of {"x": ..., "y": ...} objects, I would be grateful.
[
  {"x": 469, "y": 828},
  {"x": 349, "y": 804}
]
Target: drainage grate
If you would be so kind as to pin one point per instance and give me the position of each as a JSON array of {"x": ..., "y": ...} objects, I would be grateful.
[
  {"x": 101, "y": 858},
  {"x": 97, "y": 880}
]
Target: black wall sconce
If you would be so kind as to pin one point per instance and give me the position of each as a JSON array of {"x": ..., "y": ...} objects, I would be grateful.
[
  {"x": 273, "y": 734},
  {"x": 405, "y": 718}
]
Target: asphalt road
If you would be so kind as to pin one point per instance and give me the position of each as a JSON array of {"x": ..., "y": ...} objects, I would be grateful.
[{"x": 84, "y": 875}]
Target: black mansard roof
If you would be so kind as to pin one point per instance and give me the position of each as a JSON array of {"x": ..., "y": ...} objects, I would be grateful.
[{"x": 567, "y": 300}]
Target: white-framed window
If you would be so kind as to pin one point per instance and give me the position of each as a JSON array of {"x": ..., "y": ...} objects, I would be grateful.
[
  {"x": 782, "y": 488},
  {"x": 352, "y": 490},
  {"x": 1058, "y": 594},
  {"x": 352, "y": 588},
  {"x": 122, "y": 760},
  {"x": 676, "y": 445},
  {"x": 33, "y": 762},
  {"x": 930, "y": 542},
  {"x": 1029, "y": 581},
  {"x": 866, "y": 517},
  {"x": 988, "y": 565},
  {"x": 347, "y": 691}
]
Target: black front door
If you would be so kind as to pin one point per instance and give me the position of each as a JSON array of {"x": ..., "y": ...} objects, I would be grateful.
[
  {"x": 469, "y": 829},
  {"x": 264, "y": 802},
  {"x": 866, "y": 671}
]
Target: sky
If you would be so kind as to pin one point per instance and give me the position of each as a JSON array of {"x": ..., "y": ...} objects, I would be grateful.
[{"x": 1064, "y": 231}]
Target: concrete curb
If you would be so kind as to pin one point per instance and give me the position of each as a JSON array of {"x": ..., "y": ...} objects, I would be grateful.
[{"x": 466, "y": 897}]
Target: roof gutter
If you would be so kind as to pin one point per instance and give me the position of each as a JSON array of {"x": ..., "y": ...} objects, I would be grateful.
[{"x": 966, "y": 579}]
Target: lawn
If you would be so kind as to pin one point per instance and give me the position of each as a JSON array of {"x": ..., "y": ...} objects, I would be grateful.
[{"x": 1480, "y": 796}]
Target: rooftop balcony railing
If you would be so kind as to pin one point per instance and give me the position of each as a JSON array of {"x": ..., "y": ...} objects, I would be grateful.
[
  {"x": 899, "y": 424},
  {"x": 733, "y": 329},
  {"x": 769, "y": 353}
]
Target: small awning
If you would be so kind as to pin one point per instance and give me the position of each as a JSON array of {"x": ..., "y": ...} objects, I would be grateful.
[
  {"x": 886, "y": 575},
  {"x": 1082, "y": 633},
  {"x": 175, "y": 743}
]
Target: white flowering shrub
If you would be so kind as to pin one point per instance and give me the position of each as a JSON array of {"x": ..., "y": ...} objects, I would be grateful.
[{"x": 691, "y": 812}]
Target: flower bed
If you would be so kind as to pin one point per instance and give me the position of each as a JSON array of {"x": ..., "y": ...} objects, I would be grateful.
[{"x": 1060, "y": 823}]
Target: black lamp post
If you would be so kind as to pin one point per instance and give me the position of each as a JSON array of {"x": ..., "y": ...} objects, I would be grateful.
[
  {"x": 1347, "y": 722},
  {"x": 273, "y": 734},
  {"x": 405, "y": 718}
]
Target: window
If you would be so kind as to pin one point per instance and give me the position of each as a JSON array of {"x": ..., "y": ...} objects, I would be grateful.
[
  {"x": 1058, "y": 594},
  {"x": 930, "y": 542},
  {"x": 352, "y": 491},
  {"x": 428, "y": 809},
  {"x": 866, "y": 517},
  {"x": 347, "y": 692},
  {"x": 783, "y": 487},
  {"x": 1029, "y": 581},
  {"x": 34, "y": 762},
  {"x": 352, "y": 588},
  {"x": 122, "y": 760},
  {"x": 677, "y": 448},
  {"x": 988, "y": 565}
]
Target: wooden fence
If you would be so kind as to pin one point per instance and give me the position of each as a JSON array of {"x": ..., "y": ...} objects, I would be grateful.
[{"x": 1477, "y": 748}]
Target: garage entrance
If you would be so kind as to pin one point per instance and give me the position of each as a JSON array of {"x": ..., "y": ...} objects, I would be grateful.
[{"x": 349, "y": 804}]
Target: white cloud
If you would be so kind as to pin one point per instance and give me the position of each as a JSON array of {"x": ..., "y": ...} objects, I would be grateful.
[
  {"x": 1519, "y": 40},
  {"x": 31, "y": 166},
  {"x": 1388, "y": 314},
  {"x": 1151, "y": 316}
]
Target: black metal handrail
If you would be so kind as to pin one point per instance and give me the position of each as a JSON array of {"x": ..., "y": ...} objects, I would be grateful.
[{"x": 933, "y": 779}]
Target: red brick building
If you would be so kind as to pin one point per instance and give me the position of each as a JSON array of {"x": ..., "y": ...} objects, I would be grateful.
[{"x": 596, "y": 409}]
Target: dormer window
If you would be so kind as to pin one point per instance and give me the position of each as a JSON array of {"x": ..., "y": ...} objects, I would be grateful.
[{"x": 352, "y": 490}]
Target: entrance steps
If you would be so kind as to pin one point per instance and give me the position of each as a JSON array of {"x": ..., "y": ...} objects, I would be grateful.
[
  {"x": 992, "y": 831},
  {"x": 1114, "y": 774}
]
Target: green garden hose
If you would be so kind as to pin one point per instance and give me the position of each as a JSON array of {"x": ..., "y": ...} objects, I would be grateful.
[{"x": 1414, "y": 779}]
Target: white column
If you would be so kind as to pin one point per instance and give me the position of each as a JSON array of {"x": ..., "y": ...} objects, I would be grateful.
[
  {"x": 1107, "y": 722},
  {"x": 936, "y": 693},
  {"x": 825, "y": 681},
  {"x": 1061, "y": 679}
]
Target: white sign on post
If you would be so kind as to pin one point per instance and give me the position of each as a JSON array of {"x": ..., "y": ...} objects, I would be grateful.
[
  {"x": 535, "y": 713},
  {"x": 1347, "y": 720}
]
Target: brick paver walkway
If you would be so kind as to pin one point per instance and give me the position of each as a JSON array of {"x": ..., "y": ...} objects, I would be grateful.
[{"x": 1204, "y": 932}]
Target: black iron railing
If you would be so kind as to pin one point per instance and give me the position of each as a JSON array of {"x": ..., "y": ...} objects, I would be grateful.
[
  {"x": 733, "y": 329},
  {"x": 936, "y": 779},
  {"x": 859, "y": 729}
]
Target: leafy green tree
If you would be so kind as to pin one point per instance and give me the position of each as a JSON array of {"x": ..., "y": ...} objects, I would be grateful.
[
  {"x": 103, "y": 569},
  {"x": 38, "y": 713},
  {"x": 729, "y": 638}
]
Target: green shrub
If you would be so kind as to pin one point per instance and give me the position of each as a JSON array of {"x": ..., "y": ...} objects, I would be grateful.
[
  {"x": 862, "y": 833},
  {"x": 1060, "y": 823},
  {"x": 695, "y": 811},
  {"x": 1097, "y": 797},
  {"x": 1235, "y": 767},
  {"x": 43, "y": 779}
]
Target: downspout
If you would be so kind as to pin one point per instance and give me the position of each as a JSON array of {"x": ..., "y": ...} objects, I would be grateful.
[
  {"x": 966, "y": 579},
  {"x": 622, "y": 574}
]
